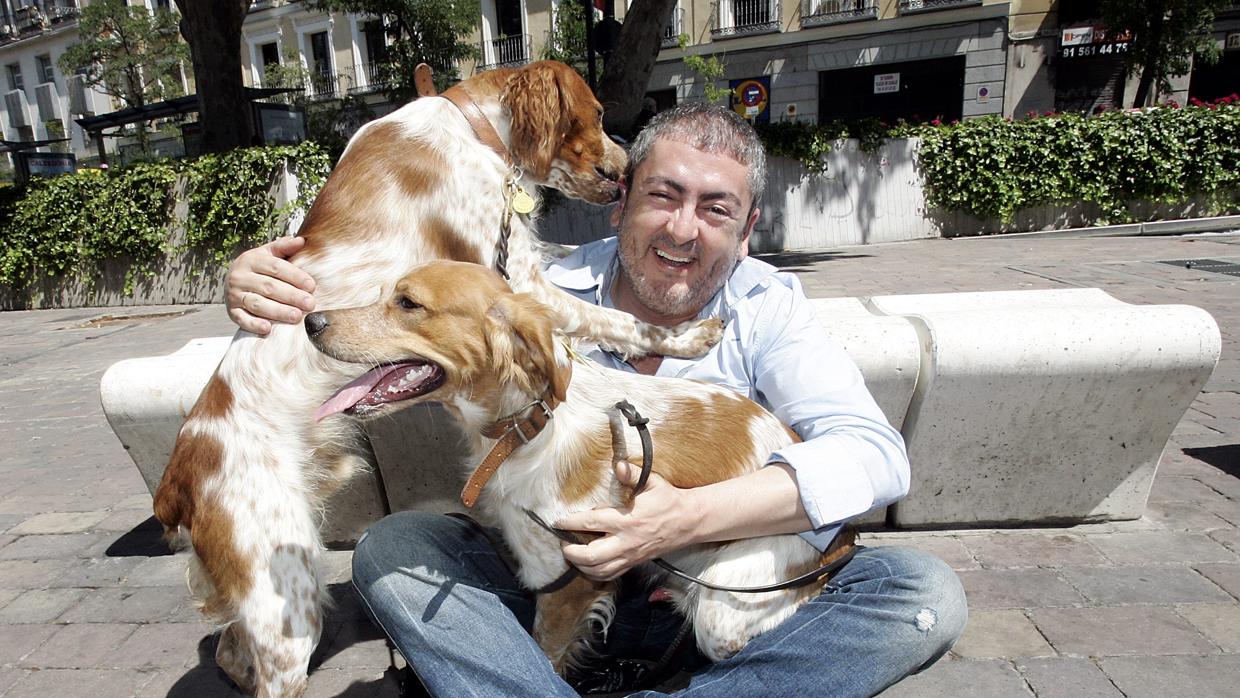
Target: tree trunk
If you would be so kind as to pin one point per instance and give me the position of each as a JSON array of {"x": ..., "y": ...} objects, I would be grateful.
[
  {"x": 627, "y": 73},
  {"x": 1150, "y": 67},
  {"x": 213, "y": 30}
]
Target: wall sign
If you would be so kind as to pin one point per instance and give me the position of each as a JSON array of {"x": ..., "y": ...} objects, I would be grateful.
[
  {"x": 885, "y": 83},
  {"x": 751, "y": 98}
]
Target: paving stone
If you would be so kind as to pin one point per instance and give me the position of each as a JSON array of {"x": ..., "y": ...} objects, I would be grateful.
[
  {"x": 1228, "y": 539},
  {"x": 1066, "y": 677},
  {"x": 40, "y": 605},
  {"x": 160, "y": 645},
  {"x": 7, "y": 595},
  {"x": 1220, "y": 623},
  {"x": 97, "y": 572},
  {"x": 352, "y": 644},
  {"x": 79, "y": 645},
  {"x": 1001, "y": 634},
  {"x": 97, "y": 683},
  {"x": 1226, "y": 509},
  {"x": 338, "y": 565},
  {"x": 8, "y": 677},
  {"x": 1225, "y": 575},
  {"x": 31, "y": 574},
  {"x": 1124, "y": 630},
  {"x": 123, "y": 520},
  {"x": 1033, "y": 550},
  {"x": 996, "y": 589},
  {"x": 163, "y": 570},
  {"x": 360, "y": 681},
  {"x": 127, "y": 605},
  {"x": 51, "y": 546},
  {"x": 1185, "y": 516},
  {"x": 1122, "y": 585},
  {"x": 17, "y": 641},
  {"x": 59, "y": 522},
  {"x": 962, "y": 678},
  {"x": 1181, "y": 489},
  {"x": 1156, "y": 547},
  {"x": 1158, "y": 677}
]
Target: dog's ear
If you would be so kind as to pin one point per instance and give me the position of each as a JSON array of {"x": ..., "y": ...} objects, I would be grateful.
[
  {"x": 541, "y": 116},
  {"x": 521, "y": 339}
]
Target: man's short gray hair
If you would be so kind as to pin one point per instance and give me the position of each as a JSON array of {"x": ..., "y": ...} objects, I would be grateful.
[{"x": 711, "y": 129}]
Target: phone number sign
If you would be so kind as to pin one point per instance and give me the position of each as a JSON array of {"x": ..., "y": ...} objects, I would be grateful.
[{"x": 1091, "y": 42}]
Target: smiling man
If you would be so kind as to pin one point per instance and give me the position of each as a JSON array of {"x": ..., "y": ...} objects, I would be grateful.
[{"x": 443, "y": 593}]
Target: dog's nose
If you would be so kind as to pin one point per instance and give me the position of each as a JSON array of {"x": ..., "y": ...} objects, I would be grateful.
[{"x": 316, "y": 323}]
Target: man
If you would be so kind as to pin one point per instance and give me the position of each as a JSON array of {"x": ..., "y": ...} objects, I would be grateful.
[{"x": 446, "y": 598}]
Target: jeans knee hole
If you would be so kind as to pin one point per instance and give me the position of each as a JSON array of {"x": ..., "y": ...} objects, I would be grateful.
[{"x": 926, "y": 619}]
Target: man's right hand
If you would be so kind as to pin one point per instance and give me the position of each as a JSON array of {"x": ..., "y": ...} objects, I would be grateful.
[{"x": 262, "y": 286}]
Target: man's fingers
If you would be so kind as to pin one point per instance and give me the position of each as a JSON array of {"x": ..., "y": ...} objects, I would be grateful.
[
  {"x": 280, "y": 271},
  {"x": 286, "y": 246},
  {"x": 594, "y": 520},
  {"x": 248, "y": 322},
  {"x": 262, "y": 306}
]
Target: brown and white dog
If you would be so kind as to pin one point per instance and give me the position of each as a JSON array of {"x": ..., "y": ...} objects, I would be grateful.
[
  {"x": 456, "y": 334},
  {"x": 251, "y": 468}
]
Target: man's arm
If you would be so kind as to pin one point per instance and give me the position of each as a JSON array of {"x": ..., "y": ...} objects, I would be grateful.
[{"x": 263, "y": 286}]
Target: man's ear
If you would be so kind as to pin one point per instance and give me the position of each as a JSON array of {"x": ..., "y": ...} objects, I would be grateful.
[
  {"x": 523, "y": 345},
  {"x": 749, "y": 224},
  {"x": 617, "y": 211}
]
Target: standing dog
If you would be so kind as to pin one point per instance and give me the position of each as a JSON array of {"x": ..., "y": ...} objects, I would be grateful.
[
  {"x": 457, "y": 335},
  {"x": 251, "y": 469}
]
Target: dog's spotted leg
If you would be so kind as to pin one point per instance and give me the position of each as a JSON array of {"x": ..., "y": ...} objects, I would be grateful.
[{"x": 565, "y": 619}]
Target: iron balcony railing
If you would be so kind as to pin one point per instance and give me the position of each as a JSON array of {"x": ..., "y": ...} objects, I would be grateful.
[
  {"x": 745, "y": 18},
  {"x": 674, "y": 28},
  {"x": 909, "y": 7},
  {"x": 506, "y": 51},
  {"x": 816, "y": 13}
]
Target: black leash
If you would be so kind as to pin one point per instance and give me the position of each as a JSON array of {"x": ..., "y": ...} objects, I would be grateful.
[{"x": 640, "y": 423}]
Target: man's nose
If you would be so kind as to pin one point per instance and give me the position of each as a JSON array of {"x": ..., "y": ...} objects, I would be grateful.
[{"x": 682, "y": 225}]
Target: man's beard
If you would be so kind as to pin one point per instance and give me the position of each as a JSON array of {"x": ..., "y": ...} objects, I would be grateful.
[{"x": 672, "y": 301}]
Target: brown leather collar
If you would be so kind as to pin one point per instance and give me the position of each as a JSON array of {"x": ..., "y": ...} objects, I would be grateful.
[
  {"x": 512, "y": 432},
  {"x": 477, "y": 121}
]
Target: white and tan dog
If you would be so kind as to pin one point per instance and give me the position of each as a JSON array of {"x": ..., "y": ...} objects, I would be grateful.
[
  {"x": 456, "y": 334},
  {"x": 251, "y": 468}
]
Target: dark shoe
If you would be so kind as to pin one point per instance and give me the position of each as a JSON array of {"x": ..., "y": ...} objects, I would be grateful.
[
  {"x": 411, "y": 686},
  {"x": 609, "y": 676}
]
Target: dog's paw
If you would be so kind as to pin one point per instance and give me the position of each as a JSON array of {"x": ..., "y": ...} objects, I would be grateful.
[{"x": 692, "y": 339}]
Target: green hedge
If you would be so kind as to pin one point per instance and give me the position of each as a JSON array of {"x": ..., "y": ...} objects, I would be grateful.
[
  {"x": 992, "y": 167},
  {"x": 68, "y": 223}
]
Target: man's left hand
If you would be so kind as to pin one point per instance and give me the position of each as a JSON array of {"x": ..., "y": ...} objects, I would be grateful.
[{"x": 658, "y": 522}]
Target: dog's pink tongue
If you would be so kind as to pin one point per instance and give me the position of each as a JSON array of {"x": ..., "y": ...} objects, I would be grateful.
[{"x": 348, "y": 396}]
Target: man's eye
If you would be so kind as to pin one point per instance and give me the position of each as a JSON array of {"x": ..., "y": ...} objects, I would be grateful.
[{"x": 408, "y": 303}]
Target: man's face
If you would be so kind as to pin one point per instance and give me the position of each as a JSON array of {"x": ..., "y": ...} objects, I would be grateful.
[{"x": 684, "y": 224}]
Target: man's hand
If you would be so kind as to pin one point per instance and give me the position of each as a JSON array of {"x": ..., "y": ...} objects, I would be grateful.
[
  {"x": 263, "y": 286},
  {"x": 660, "y": 521}
]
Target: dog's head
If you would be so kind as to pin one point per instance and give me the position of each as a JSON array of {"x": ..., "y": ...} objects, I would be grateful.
[
  {"x": 557, "y": 132},
  {"x": 450, "y": 332}
]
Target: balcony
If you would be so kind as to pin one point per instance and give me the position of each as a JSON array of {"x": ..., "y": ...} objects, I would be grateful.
[
  {"x": 912, "y": 7},
  {"x": 817, "y": 13},
  {"x": 674, "y": 28},
  {"x": 745, "y": 18},
  {"x": 37, "y": 17},
  {"x": 505, "y": 52}
]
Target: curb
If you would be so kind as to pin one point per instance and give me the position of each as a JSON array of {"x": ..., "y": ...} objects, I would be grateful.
[{"x": 1173, "y": 227}]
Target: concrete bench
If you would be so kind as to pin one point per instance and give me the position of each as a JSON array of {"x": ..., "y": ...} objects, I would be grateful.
[{"x": 1023, "y": 407}]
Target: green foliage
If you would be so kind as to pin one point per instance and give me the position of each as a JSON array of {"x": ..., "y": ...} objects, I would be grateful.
[
  {"x": 64, "y": 224},
  {"x": 421, "y": 31},
  {"x": 567, "y": 42},
  {"x": 992, "y": 167},
  {"x": 229, "y": 202},
  {"x": 809, "y": 143},
  {"x": 1166, "y": 34},
  {"x": 128, "y": 52},
  {"x": 708, "y": 68}
]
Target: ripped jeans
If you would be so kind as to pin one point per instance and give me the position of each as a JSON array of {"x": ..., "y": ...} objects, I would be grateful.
[{"x": 453, "y": 609}]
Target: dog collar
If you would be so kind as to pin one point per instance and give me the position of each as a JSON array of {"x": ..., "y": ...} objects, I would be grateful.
[{"x": 513, "y": 432}]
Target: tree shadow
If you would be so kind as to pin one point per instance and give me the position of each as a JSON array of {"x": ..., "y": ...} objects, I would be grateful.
[{"x": 804, "y": 261}]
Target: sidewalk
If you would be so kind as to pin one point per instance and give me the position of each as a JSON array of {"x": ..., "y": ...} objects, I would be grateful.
[{"x": 90, "y": 604}]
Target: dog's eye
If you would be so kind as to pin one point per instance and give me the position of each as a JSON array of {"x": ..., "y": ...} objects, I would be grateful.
[{"x": 408, "y": 303}]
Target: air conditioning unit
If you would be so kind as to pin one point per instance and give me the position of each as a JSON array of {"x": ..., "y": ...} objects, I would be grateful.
[
  {"x": 18, "y": 108},
  {"x": 81, "y": 97},
  {"x": 48, "y": 101}
]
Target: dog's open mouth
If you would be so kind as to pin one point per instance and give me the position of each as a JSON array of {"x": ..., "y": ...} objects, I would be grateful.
[{"x": 381, "y": 385}]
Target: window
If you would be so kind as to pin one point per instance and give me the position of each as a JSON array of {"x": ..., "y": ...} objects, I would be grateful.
[
  {"x": 163, "y": 5},
  {"x": 270, "y": 53},
  {"x": 376, "y": 42},
  {"x": 45, "y": 71},
  {"x": 14, "y": 71},
  {"x": 320, "y": 58}
]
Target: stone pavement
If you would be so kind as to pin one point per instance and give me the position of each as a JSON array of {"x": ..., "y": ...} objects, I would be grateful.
[{"x": 91, "y": 603}]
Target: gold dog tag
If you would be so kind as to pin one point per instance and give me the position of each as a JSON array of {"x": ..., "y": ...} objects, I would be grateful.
[{"x": 522, "y": 202}]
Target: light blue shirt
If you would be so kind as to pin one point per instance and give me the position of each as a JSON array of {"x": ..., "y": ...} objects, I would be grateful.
[{"x": 775, "y": 352}]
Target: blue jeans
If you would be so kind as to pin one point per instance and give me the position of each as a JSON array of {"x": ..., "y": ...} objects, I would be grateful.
[{"x": 454, "y": 610}]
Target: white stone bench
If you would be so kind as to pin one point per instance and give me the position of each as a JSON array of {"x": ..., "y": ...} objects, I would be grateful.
[{"x": 1021, "y": 407}]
